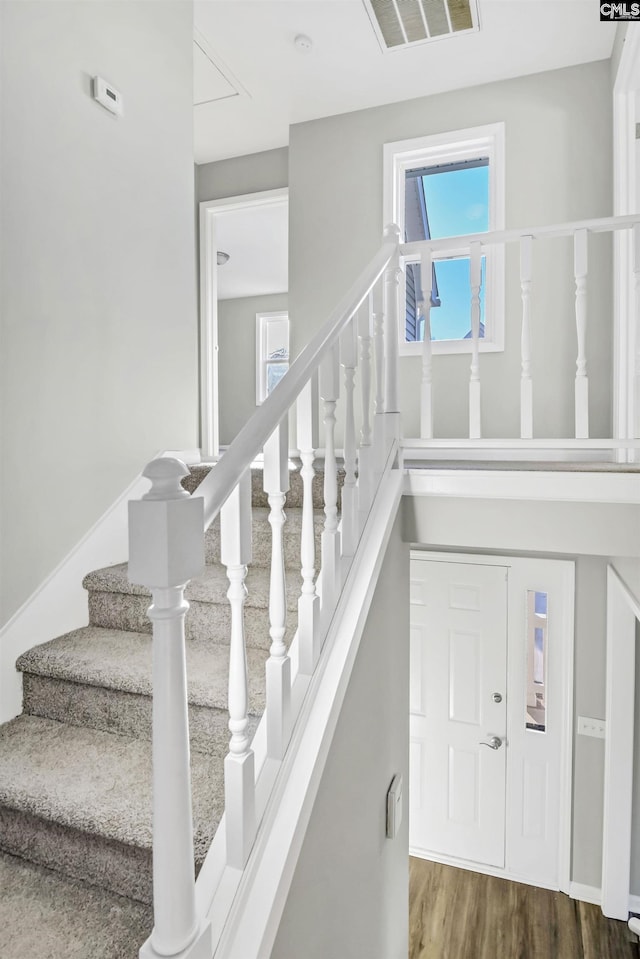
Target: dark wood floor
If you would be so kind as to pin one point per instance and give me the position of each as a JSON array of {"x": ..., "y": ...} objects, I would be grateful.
[{"x": 456, "y": 914}]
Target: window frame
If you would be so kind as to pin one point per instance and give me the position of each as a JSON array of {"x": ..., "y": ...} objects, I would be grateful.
[
  {"x": 262, "y": 360},
  {"x": 441, "y": 148}
]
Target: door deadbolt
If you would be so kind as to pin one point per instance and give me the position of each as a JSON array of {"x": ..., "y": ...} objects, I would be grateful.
[{"x": 497, "y": 697}]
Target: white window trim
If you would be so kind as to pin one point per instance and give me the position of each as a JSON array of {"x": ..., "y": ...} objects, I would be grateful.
[
  {"x": 262, "y": 321},
  {"x": 405, "y": 155}
]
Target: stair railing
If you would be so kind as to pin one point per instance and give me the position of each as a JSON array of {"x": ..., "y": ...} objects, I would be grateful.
[
  {"x": 166, "y": 550},
  {"x": 475, "y": 246}
]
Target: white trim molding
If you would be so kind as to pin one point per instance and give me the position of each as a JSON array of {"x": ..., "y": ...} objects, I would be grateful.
[
  {"x": 623, "y": 609},
  {"x": 626, "y": 372}
]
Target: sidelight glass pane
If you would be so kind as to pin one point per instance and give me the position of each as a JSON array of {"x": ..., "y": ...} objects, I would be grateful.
[{"x": 536, "y": 692}]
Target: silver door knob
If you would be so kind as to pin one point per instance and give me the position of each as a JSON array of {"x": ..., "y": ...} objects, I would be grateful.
[
  {"x": 497, "y": 697},
  {"x": 494, "y": 743}
]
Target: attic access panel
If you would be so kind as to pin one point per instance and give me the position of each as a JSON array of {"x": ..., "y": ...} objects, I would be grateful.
[{"x": 404, "y": 23}]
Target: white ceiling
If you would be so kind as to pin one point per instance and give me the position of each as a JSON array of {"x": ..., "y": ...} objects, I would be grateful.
[
  {"x": 257, "y": 82},
  {"x": 256, "y": 241}
]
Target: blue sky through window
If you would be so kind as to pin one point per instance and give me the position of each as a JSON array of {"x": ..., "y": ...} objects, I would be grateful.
[
  {"x": 457, "y": 201},
  {"x": 457, "y": 204},
  {"x": 452, "y": 319}
]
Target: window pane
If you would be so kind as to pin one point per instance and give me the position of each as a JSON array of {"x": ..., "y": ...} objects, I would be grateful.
[
  {"x": 457, "y": 200},
  {"x": 536, "y": 694},
  {"x": 275, "y": 372}
]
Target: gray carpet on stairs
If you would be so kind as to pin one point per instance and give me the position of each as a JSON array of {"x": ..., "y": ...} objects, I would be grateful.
[
  {"x": 44, "y": 915},
  {"x": 75, "y": 767}
]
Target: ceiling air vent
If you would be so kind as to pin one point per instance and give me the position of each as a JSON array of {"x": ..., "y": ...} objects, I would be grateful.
[{"x": 402, "y": 23}]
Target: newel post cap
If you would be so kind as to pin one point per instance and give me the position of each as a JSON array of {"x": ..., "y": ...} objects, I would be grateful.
[
  {"x": 392, "y": 232},
  {"x": 166, "y": 529}
]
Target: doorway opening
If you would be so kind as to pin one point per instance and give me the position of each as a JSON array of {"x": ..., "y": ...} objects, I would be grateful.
[
  {"x": 492, "y": 714},
  {"x": 243, "y": 274}
]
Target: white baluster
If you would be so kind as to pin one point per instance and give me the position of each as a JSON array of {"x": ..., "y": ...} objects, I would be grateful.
[
  {"x": 239, "y": 765},
  {"x": 330, "y": 580},
  {"x": 580, "y": 262},
  {"x": 635, "y": 424},
  {"x": 366, "y": 465},
  {"x": 391, "y": 287},
  {"x": 166, "y": 549},
  {"x": 426, "y": 388},
  {"x": 526, "y": 383},
  {"x": 378, "y": 321},
  {"x": 348, "y": 359},
  {"x": 309, "y": 601},
  {"x": 278, "y": 669},
  {"x": 474, "y": 378}
]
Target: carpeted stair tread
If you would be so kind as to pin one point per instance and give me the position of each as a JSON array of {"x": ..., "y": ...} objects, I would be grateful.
[
  {"x": 211, "y": 587},
  {"x": 96, "y": 782},
  {"x": 45, "y": 914},
  {"x": 118, "y": 659}
]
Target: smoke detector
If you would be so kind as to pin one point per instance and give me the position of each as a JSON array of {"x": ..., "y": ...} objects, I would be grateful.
[{"x": 303, "y": 43}]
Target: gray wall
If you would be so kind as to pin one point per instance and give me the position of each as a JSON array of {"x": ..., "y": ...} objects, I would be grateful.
[
  {"x": 558, "y": 168},
  {"x": 99, "y": 333},
  {"x": 237, "y": 358},
  {"x": 590, "y": 534},
  {"x": 349, "y": 897},
  {"x": 246, "y": 174}
]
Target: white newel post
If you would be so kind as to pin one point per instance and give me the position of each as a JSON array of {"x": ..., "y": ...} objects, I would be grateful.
[
  {"x": 278, "y": 668},
  {"x": 391, "y": 289},
  {"x": 475, "y": 416},
  {"x": 309, "y": 601},
  {"x": 366, "y": 465},
  {"x": 526, "y": 383},
  {"x": 348, "y": 360},
  {"x": 426, "y": 387},
  {"x": 330, "y": 580},
  {"x": 166, "y": 549},
  {"x": 580, "y": 262},
  {"x": 239, "y": 765}
]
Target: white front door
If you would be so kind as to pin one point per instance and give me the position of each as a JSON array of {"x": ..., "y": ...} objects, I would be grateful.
[
  {"x": 492, "y": 666},
  {"x": 458, "y": 710}
]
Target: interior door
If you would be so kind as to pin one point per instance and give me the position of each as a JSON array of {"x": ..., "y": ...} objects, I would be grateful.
[{"x": 458, "y": 710}]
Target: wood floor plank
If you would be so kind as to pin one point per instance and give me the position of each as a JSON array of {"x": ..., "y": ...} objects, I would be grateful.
[{"x": 458, "y": 914}]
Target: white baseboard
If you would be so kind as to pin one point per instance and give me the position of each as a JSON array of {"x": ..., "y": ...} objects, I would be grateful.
[
  {"x": 59, "y": 604},
  {"x": 494, "y": 871},
  {"x": 592, "y": 894}
]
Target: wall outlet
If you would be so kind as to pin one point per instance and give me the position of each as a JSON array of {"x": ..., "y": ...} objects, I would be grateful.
[{"x": 591, "y": 727}]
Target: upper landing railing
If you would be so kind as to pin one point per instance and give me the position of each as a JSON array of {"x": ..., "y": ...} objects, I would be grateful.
[
  {"x": 475, "y": 246},
  {"x": 167, "y": 550}
]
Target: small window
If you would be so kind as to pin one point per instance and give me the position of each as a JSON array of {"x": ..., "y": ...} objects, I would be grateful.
[
  {"x": 536, "y": 701},
  {"x": 449, "y": 185},
  {"x": 272, "y": 352}
]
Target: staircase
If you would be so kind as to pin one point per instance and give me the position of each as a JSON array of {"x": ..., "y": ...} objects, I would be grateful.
[{"x": 75, "y": 767}]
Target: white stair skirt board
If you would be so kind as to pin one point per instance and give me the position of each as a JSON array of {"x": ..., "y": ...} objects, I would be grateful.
[{"x": 59, "y": 604}]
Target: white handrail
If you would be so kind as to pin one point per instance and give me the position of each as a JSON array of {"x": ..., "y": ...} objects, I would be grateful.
[
  {"x": 600, "y": 225},
  {"x": 217, "y": 486}
]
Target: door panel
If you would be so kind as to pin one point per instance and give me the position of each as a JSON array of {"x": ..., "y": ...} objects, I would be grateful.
[{"x": 459, "y": 660}]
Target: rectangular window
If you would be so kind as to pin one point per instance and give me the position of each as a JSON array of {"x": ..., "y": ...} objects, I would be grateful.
[
  {"x": 536, "y": 701},
  {"x": 440, "y": 187},
  {"x": 272, "y": 352}
]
